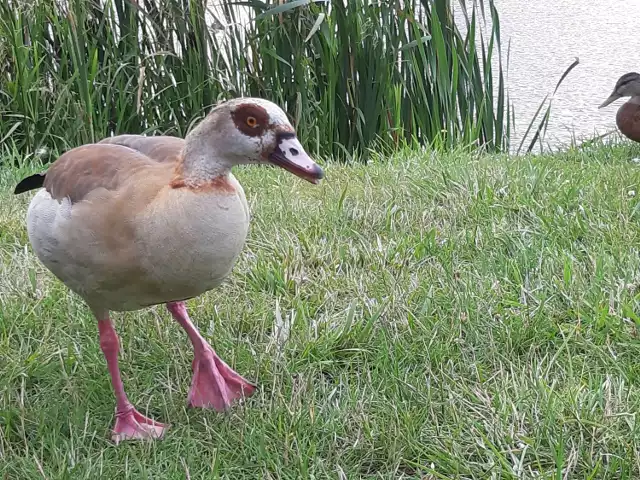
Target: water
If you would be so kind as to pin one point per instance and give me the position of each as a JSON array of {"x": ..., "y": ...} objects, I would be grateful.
[{"x": 546, "y": 36}]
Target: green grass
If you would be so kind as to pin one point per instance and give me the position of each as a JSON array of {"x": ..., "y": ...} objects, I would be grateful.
[{"x": 451, "y": 316}]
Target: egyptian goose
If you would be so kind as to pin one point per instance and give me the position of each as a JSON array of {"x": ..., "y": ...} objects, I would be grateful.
[
  {"x": 628, "y": 116},
  {"x": 134, "y": 221}
]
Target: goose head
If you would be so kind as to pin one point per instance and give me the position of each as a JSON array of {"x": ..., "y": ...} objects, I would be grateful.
[
  {"x": 247, "y": 131},
  {"x": 628, "y": 85}
]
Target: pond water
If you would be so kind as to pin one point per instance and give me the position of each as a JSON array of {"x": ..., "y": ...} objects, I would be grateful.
[{"x": 546, "y": 36}]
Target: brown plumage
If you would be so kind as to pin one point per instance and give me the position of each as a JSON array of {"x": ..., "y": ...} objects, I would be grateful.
[
  {"x": 628, "y": 115},
  {"x": 89, "y": 169},
  {"x": 161, "y": 148}
]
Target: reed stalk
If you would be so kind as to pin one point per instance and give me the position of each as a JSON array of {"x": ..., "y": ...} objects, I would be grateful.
[{"x": 354, "y": 76}]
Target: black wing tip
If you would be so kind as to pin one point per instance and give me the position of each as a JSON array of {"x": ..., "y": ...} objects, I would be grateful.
[{"x": 30, "y": 183}]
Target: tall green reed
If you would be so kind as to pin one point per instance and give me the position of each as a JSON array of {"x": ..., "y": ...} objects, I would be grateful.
[{"x": 353, "y": 75}]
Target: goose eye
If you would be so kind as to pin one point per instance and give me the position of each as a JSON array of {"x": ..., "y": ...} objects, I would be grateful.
[{"x": 252, "y": 122}]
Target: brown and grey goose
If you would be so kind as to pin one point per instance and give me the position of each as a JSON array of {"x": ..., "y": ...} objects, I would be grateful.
[{"x": 134, "y": 221}]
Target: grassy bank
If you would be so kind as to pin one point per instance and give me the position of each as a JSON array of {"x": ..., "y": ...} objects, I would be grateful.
[{"x": 426, "y": 317}]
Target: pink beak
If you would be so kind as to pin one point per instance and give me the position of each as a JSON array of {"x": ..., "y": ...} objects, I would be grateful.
[{"x": 290, "y": 155}]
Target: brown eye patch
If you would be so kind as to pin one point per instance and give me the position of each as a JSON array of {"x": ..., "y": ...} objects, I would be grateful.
[{"x": 250, "y": 119}]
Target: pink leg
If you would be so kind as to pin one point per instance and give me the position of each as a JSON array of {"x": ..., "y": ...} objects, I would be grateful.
[
  {"x": 130, "y": 424},
  {"x": 214, "y": 383}
]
